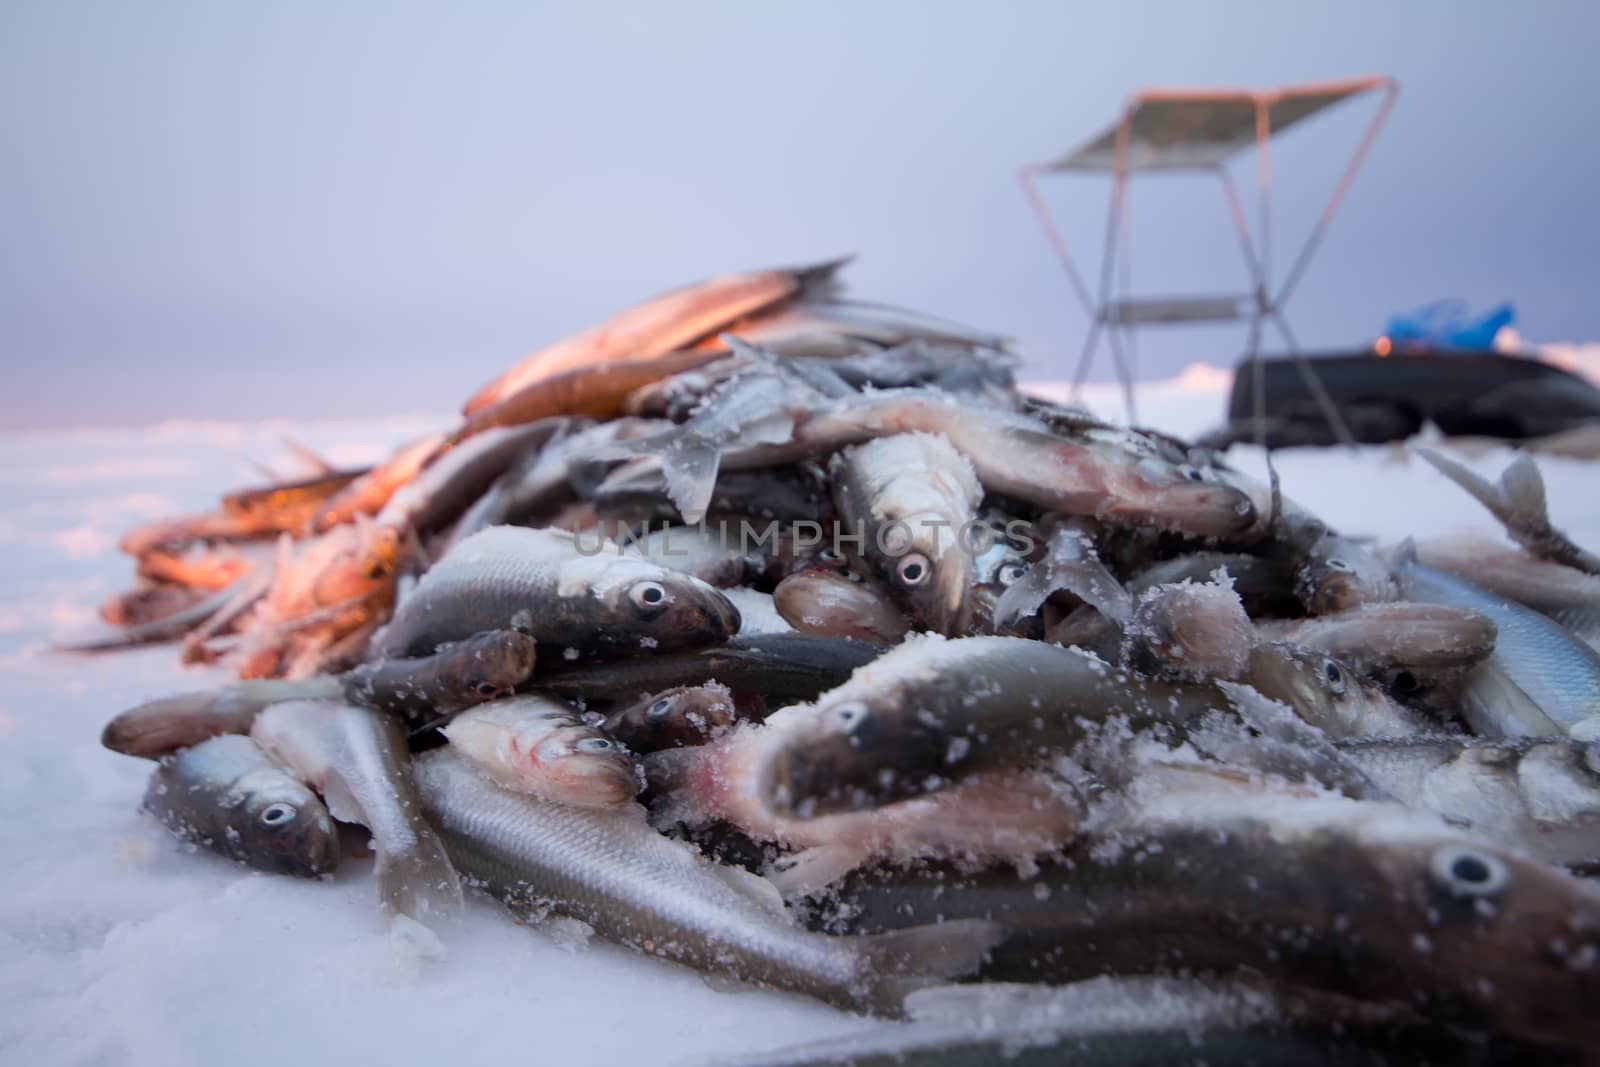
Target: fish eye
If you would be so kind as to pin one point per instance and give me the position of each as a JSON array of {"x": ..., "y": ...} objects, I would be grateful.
[
  {"x": 1467, "y": 873},
  {"x": 593, "y": 744},
  {"x": 1405, "y": 682},
  {"x": 648, "y": 596},
  {"x": 486, "y": 689},
  {"x": 1334, "y": 674},
  {"x": 913, "y": 570},
  {"x": 658, "y": 711},
  {"x": 278, "y": 814},
  {"x": 1009, "y": 572},
  {"x": 1191, "y": 473},
  {"x": 850, "y": 714}
]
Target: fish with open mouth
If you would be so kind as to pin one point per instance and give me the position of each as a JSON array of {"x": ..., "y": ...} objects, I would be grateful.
[
  {"x": 227, "y": 795},
  {"x": 582, "y": 598}
]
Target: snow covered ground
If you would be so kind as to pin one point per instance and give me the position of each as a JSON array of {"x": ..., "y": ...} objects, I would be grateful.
[{"x": 117, "y": 944}]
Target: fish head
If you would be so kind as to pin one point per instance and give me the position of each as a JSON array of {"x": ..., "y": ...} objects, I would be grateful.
[
  {"x": 844, "y": 756},
  {"x": 1489, "y": 935},
  {"x": 1342, "y": 575},
  {"x": 1177, "y": 496},
  {"x": 1560, "y": 782},
  {"x": 585, "y": 768},
  {"x": 282, "y": 824},
  {"x": 1321, "y": 689},
  {"x": 659, "y": 608},
  {"x": 484, "y": 667},
  {"x": 685, "y": 715},
  {"x": 931, "y": 570}
]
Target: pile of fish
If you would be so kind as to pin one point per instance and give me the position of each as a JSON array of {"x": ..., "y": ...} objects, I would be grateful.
[{"x": 783, "y": 636}]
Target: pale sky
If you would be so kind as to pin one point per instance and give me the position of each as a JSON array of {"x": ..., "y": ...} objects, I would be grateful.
[{"x": 307, "y": 209}]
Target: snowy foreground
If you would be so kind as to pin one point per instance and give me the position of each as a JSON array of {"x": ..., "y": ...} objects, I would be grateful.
[{"x": 118, "y": 944}]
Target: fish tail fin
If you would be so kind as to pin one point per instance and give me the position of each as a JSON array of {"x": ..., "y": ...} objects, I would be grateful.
[
  {"x": 1522, "y": 496},
  {"x": 419, "y": 882},
  {"x": 820, "y": 281},
  {"x": 902, "y": 961}
]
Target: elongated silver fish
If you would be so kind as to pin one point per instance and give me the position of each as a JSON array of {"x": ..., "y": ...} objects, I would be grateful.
[
  {"x": 913, "y": 499},
  {"x": 536, "y": 745},
  {"x": 582, "y": 596},
  {"x": 358, "y": 760},
  {"x": 933, "y": 711},
  {"x": 477, "y": 669},
  {"x": 636, "y": 887},
  {"x": 1569, "y": 596},
  {"x": 228, "y": 796},
  {"x": 1394, "y": 635},
  {"x": 1353, "y": 898},
  {"x": 1328, "y": 694},
  {"x": 1540, "y": 679}
]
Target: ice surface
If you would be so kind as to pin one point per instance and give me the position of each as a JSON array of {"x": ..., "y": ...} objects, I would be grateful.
[{"x": 118, "y": 944}]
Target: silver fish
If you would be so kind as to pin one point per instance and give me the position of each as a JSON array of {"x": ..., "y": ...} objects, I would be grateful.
[
  {"x": 1539, "y": 681},
  {"x": 588, "y": 597},
  {"x": 1328, "y": 694},
  {"x": 636, "y": 887},
  {"x": 912, "y": 498},
  {"x": 477, "y": 669},
  {"x": 1395, "y": 635},
  {"x": 229, "y": 796},
  {"x": 358, "y": 760},
  {"x": 1541, "y": 795},
  {"x": 1569, "y": 596},
  {"x": 932, "y": 711},
  {"x": 539, "y": 746}
]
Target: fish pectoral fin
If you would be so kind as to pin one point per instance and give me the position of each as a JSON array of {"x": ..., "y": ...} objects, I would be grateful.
[
  {"x": 902, "y": 961},
  {"x": 754, "y": 887},
  {"x": 813, "y": 869}
]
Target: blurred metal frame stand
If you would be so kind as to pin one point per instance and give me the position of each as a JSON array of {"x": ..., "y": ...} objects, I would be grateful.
[{"x": 1175, "y": 130}]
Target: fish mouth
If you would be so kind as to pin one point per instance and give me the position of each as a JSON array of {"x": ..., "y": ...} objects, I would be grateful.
[
  {"x": 607, "y": 783},
  {"x": 951, "y": 600}
]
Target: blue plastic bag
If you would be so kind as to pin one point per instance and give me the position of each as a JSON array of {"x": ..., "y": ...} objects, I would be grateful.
[{"x": 1445, "y": 324}]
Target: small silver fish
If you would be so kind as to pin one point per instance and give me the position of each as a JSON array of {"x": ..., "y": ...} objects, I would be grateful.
[
  {"x": 533, "y": 744},
  {"x": 634, "y": 886},
  {"x": 229, "y": 796},
  {"x": 1328, "y": 694},
  {"x": 358, "y": 760},
  {"x": 590, "y": 598}
]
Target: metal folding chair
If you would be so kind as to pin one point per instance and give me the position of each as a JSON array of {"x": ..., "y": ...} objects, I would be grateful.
[{"x": 1174, "y": 130}]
